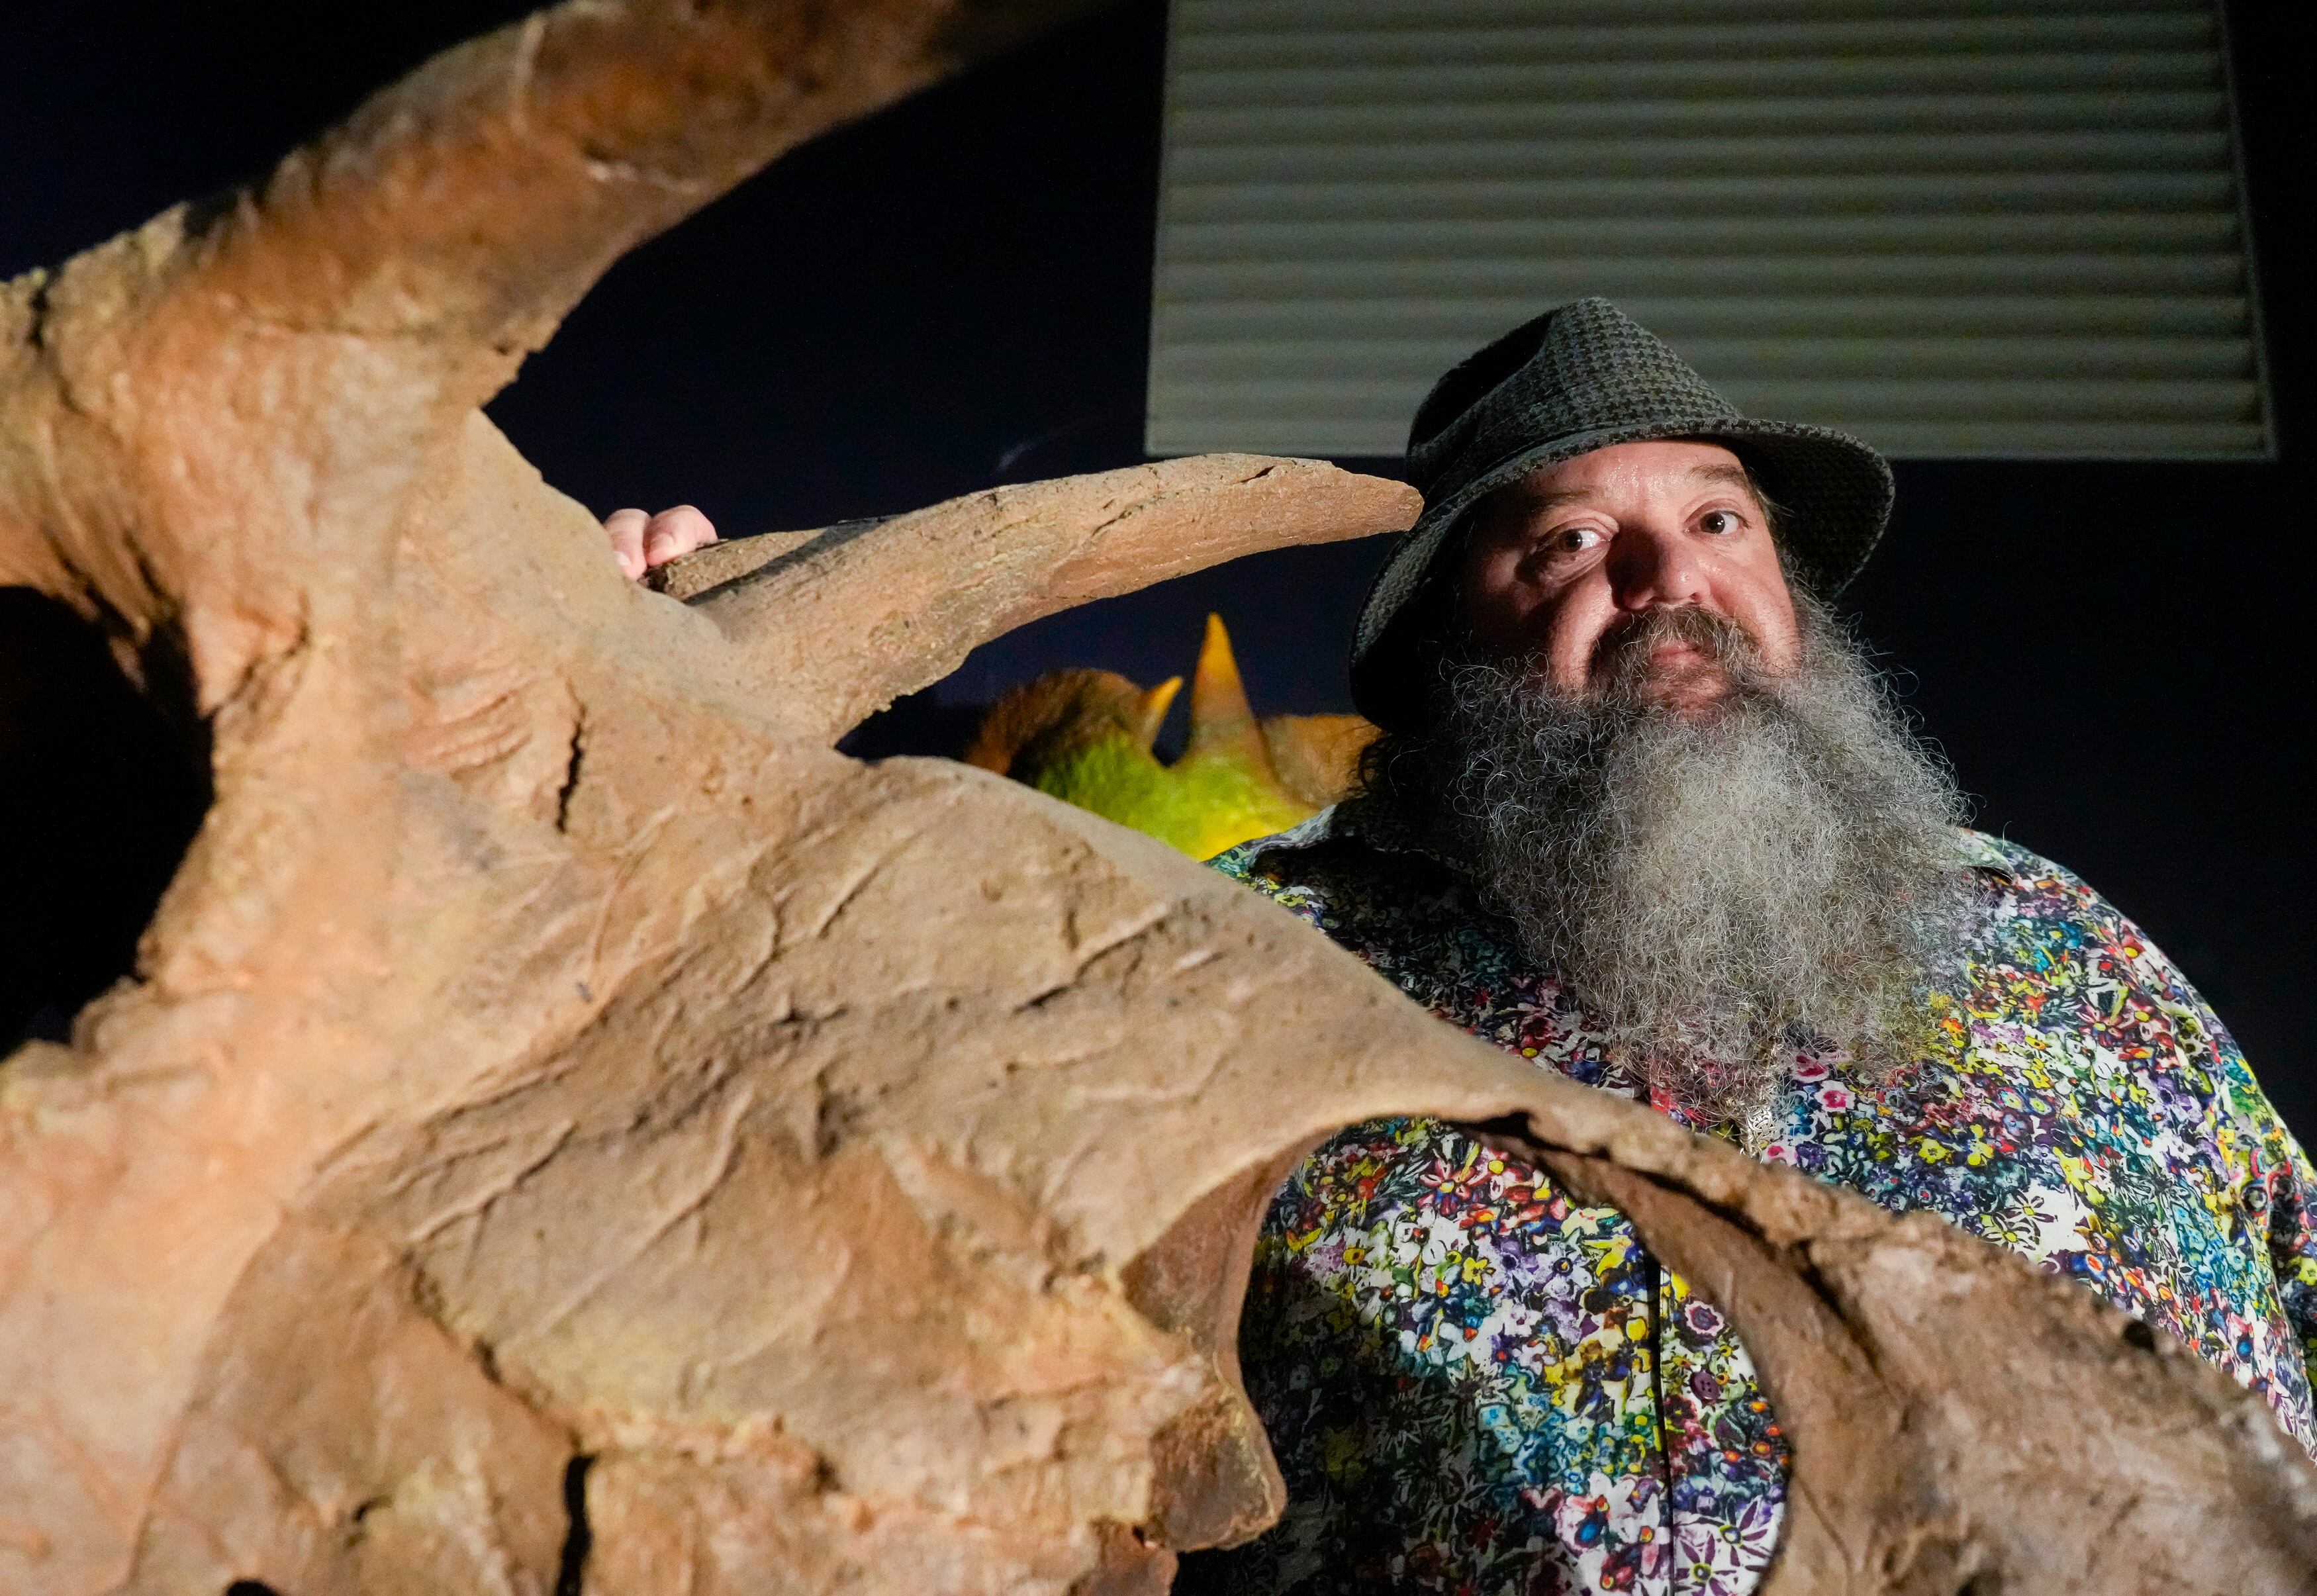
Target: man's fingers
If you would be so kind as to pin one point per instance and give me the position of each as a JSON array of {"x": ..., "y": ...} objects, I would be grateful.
[
  {"x": 674, "y": 532},
  {"x": 627, "y": 530},
  {"x": 640, "y": 543}
]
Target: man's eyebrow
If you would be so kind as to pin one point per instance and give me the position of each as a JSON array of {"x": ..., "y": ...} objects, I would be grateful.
[
  {"x": 1735, "y": 475},
  {"x": 1535, "y": 500}
]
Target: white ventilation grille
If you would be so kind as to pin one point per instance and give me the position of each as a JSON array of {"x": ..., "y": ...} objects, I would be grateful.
[{"x": 1955, "y": 227}]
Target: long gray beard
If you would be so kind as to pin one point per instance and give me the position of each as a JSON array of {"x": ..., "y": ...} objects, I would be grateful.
[{"x": 1781, "y": 871}]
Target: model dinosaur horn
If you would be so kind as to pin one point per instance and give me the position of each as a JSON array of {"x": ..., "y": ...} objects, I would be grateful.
[
  {"x": 1155, "y": 703},
  {"x": 1223, "y": 721}
]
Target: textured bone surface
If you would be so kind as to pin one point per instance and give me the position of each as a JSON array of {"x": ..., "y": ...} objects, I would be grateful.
[{"x": 568, "y": 1125}]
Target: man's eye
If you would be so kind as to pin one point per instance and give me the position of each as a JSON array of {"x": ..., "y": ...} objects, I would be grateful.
[
  {"x": 1570, "y": 540},
  {"x": 1721, "y": 523}
]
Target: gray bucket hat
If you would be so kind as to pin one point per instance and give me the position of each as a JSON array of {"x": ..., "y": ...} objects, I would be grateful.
[{"x": 1578, "y": 378}]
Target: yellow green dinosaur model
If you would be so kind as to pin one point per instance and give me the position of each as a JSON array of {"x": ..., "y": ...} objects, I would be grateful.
[{"x": 1085, "y": 737}]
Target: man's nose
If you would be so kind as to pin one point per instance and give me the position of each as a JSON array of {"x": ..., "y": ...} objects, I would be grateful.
[{"x": 1652, "y": 569}]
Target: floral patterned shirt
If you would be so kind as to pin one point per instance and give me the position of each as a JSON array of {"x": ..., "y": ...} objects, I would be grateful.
[{"x": 1476, "y": 1384}]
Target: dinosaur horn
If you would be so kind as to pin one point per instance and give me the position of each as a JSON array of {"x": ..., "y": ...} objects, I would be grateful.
[
  {"x": 1155, "y": 703},
  {"x": 817, "y": 625},
  {"x": 1223, "y": 721}
]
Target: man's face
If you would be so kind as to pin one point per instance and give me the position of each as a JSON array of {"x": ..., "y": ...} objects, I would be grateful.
[
  {"x": 1562, "y": 564},
  {"x": 1681, "y": 782}
]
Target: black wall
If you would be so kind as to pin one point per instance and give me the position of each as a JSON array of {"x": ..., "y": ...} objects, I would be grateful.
[{"x": 2114, "y": 657}]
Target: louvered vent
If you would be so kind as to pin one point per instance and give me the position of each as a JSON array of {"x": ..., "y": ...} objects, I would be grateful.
[{"x": 1955, "y": 227}]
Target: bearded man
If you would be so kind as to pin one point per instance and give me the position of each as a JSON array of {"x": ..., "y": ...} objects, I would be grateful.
[{"x": 1642, "y": 815}]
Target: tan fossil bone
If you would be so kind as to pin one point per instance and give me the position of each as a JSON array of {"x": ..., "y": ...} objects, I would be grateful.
[{"x": 550, "y": 1049}]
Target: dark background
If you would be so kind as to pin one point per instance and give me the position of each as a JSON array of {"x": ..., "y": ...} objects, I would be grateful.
[{"x": 958, "y": 292}]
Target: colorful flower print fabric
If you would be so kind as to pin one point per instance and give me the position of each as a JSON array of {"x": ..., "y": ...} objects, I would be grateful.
[{"x": 1477, "y": 1385}]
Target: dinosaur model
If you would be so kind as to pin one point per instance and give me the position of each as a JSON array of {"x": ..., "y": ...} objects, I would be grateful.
[{"x": 1085, "y": 737}]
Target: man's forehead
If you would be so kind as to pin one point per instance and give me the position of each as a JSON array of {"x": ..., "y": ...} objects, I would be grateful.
[{"x": 1674, "y": 464}]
